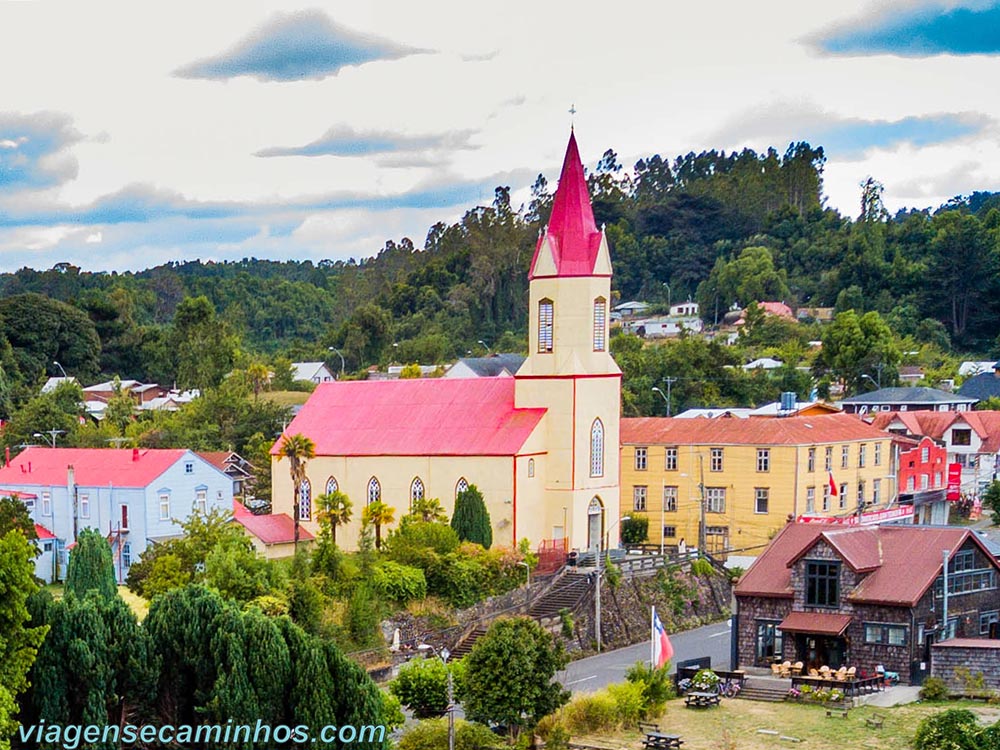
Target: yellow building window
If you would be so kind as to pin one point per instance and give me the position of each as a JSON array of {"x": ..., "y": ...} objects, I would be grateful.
[
  {"x": 811, "y": 499},
  {"x": 715, "y": 463},
  {"x": 641, "y": 455},
  {"x": 762, "y": 496},
  {"x": 828, "y": 465},
  {"x": 670, "y": 460},
  {"x": 715, "y": 499},
  {"x": 639, "y": 498},
  {"x": 812, "y": 460},
  {"x": 878, "y": 454},
  {"x": 862, "y": 457},
  {"x": 670, "y": 499},
  {"x": 763, "y": 459}
]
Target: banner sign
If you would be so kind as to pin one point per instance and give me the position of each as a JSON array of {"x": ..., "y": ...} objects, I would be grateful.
[
  {"x": 867, "y": 519},
  {"x": 954, "y": 481}
]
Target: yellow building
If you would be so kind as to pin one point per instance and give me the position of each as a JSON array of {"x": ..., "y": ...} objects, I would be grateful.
[
  {"x": 541, "y": 447},
  {"x": 756, "y": 473}
]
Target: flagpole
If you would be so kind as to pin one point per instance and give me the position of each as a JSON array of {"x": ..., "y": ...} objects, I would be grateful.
[{"x": 652, "y": 638}]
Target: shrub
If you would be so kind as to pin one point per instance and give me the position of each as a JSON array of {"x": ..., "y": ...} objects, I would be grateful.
[
  {"x": 363, "y": 617},
  {"x": 566, "y": 620},
  {"x": 422, "y": 686},
  {"x": 656, "y": 684},
  {"x": 635, "y": 530},
  {"x": 433, "y": 735},
  {"x": 399, "y": 583},
  {"x": 954, "y": 729},
  {"x": 702, "y": 568},
  {"x": 630, "y": 702},
  {"x": 934, "y": 689},
  {"x": 270, "y": 604},
  {"x": 591, "y": 713},
  {"x": 438, "y": 537},
  {"x": 471, "y": 520},
  {"x": 457, "y": 579}
]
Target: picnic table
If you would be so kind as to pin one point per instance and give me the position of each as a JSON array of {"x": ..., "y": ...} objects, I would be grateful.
[
  {"x": 661, "y": 741},
  {"x": 699, "y": 699}
]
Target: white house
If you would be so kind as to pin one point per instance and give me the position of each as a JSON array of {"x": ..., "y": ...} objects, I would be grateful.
[
  {"x": 134, "y": 497},
  {"x": 314, "y": 372}
]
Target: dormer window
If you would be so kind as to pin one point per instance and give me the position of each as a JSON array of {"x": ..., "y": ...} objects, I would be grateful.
[
  {"x": 545, "y": 324},
  {"x": 822, "y": 583}
]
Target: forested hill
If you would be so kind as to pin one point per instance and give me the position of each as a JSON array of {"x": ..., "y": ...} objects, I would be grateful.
[{"x": 722, "y": 228}]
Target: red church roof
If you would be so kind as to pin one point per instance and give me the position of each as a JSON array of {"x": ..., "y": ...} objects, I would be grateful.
[
  {"x": 121, "y": 467},
  {"x": 571, "y": 232},
  {"x": 425, "y": 417},
  {"x": 270, "y": 528}
]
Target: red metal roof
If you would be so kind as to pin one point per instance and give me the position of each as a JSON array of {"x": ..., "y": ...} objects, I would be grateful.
[
  {"x": 419, "y": 417},
  {"x": 43, "y": 533},
  {"x": 903, "y": 560},
  {"x": 272, "y": 528},
  {"x": 571, "y": 232},
  {"x": 934, "y": 424},
  {"x": 820, "y": 428},
  {"x": 120, "y": 467},
  {"x": 822, "y": 623}
]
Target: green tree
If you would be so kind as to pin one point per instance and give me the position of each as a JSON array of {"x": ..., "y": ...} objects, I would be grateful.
[
  {"x": 378, "y": 514},
  {"x": 750, "y": 277},
  {"x": 428, "y": 510},
  {"x": 14, "y": 516},
  {"x": 19, "y": 642},
  {"x": 991, "y": 499},
  {"x": 235, "y": 570},
  {"x": 203, "y": 345},
  {"x": 120, "y": 409},
  {"x": 60, "y": 409},
  {"x": 422, "y": 686},
  {"x": 471, "y": 520},
  {"x": 509, "y": 675},
  {"x": 635, "y": 530},
  {"x": 91, "y": 566},
  {"x": 334, "y": 509},
  {"x": 298, "y": 449},
  {"x": 854, "y": 346}
]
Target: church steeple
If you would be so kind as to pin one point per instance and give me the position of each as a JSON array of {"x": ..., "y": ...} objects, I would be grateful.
[{"x": 571, "y": 244}]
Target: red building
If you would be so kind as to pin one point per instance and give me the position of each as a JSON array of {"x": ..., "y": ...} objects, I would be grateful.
[{"x": 923, "y": 481}]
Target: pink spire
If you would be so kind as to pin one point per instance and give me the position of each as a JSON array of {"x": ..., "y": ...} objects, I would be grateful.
[{"x": 571, "y": 232}]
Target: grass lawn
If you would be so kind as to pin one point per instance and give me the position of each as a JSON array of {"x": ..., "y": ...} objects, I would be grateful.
[
  {"x": 138, "y": 605},
  {"x": 286, "y": 398},
  {"x": 734, "y": 724}
]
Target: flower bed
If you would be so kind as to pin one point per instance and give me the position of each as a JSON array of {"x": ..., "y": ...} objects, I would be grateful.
[{"x": 808, "y": 693}]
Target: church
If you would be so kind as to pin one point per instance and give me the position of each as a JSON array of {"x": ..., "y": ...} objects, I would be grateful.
[{"x": 542, "y": 447}]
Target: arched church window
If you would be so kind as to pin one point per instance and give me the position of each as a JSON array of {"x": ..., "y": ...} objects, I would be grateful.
[
  {"x": 600, "y": 323},
  {"x": 374, "y": 491},
  {"x": 545, "y": 323},
  {"x": 416, "y": 490},
  {"x": 462, "y": 486},
  {"x": 331, "y": 485},
  {"x": 305, "y": 501},
  {"x": 531, "y": 467},
  {"x": 597, "y": 449}
]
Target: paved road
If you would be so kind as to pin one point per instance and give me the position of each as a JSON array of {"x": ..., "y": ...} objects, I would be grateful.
[{"x": 595, "y": 672}]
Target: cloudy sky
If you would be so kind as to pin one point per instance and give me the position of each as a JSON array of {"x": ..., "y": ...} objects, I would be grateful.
[{"x": 132, "y": 134}]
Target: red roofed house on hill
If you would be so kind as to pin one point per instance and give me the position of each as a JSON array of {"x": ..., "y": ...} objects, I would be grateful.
[
  {"x": 864, "y": 596},
  {"x": 134, "y": 497},
  {"x": 542, "y": 446}
]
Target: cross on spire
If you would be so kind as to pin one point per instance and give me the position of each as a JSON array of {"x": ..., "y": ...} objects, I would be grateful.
[{"x": 572, "y": 113}]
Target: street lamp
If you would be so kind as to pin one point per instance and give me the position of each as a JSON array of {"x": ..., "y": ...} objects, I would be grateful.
[
  {"x": 50, "y": 435},
  {"x": 485, "y": 346},
  {"x": 666, "y": 396},
  {"x": 527, "y": 573},
  {"x": 337, "y": 351},
  {"x": 597, "y": 593},
  {"x": 60, "y": 368},
  {"x": 668, "y": 296},
  {"x": 443, "y": 655}
]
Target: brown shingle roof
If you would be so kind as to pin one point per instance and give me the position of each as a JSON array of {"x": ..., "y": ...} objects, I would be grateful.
[
  {"x": 903, "y": 560},
  {"x": 822, "y": 428}
]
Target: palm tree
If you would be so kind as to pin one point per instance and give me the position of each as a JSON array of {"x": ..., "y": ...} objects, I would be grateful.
[
  {"x": 334, "y": 510},
  {"x": 260, "y": 378},
  {"x": 428, "y": 510},
  {"x": 378, "y": 514},
  {"x": 297, "y": 449}
]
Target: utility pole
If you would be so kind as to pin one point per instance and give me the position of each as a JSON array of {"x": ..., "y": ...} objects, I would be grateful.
[
  {"x": 669, "y": 382},
  {"x": 944, "y": 605},
  {"x": 701, "y": 523}
]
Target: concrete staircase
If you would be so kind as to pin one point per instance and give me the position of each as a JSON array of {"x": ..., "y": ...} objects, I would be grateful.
[
  {"x": 566, "y": 593},
  {"x": 465, "y": 645},
  {"x": 765, "y": 689}
]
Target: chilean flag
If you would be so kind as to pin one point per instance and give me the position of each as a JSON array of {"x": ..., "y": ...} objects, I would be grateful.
[
  {"x": 662, "y": 650},
  {"x": 833, "y": 485}
]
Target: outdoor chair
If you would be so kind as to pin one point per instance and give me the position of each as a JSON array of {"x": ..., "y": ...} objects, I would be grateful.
[
  {"x": 813, "y": 672},
  {"x": 776, "y": 670},
  {"x": 797, "y": 668},
  {"x": 852, "y": 673},
  {"x": 786, "y": 669}
]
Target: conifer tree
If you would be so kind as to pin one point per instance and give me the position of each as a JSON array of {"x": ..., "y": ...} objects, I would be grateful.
[
  {"x": 91, "y": 566},
  {"x": 18, "y": 641},
  {"x": 471, "y": 520}
]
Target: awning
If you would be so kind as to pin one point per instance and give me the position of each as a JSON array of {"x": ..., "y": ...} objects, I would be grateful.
[{"x": 819, "y": 623}]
